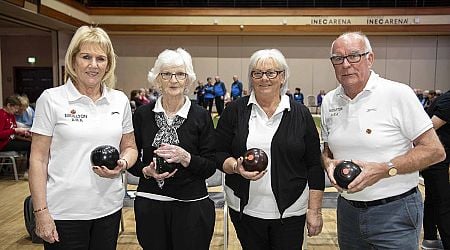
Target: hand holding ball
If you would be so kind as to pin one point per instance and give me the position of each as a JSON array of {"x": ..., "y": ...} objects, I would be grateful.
[
  {"x": 163, "y": 166},
  {"x": 105, "y": 155},
  {"x": 255, "y": 159},
  {"x": 345, "y": 172}
]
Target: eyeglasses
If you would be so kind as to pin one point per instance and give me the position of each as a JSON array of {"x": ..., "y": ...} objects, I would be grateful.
[
  {"x": 269, "y": 74},
  {"x": 179, "y": 75},
  {"x": 352, "y": 58}
]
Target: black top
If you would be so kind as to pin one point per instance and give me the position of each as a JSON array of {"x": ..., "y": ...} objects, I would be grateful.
[
  {"x": 196, "y": 136},
  {"x": 441, "y": 108},
  {"x": 295, "y": 152}
]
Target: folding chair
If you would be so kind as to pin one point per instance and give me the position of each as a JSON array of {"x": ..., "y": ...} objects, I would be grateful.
[{"x": 9, "y": 158}]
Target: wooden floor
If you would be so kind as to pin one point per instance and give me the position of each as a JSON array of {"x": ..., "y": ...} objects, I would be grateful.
[{"x": 13, "y": 234}]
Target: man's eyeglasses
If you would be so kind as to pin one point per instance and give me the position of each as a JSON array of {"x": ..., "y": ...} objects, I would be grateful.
[
  {"x": 167, "y": 75},
  {"x": 269, "y": 74},
  {"x": 352, "y": 58}
]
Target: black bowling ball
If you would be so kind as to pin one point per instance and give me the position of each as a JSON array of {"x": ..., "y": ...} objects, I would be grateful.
[
  {"x": 105, "y": 155},
  {"x": 255, "y": 159},
  {"x": 163, "y": 166},
  {"x": 345, "y": 172}
]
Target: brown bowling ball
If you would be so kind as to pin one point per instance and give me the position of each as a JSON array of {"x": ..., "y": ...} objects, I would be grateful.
[
  {"x": 255, "y": 159},
  {"x": 345, "y": 172}
]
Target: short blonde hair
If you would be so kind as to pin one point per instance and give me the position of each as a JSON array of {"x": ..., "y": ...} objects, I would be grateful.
[
  {"x": 24, "y": 101},
  {"x": 93, "y": 36}
]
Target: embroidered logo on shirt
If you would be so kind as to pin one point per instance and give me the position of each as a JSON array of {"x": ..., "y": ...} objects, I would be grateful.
[
  {"x": 74, "y": 116},
  {"x": 371, "y": 109},
  {"x": 335, "y": 111},
  {"x": 115, "y": 113}
]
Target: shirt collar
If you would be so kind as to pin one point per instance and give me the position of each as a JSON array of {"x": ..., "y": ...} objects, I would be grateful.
[
  {"x": 73, "y": 94},
  {"x": 370, "y": 85},
  {"x": 183, "y": 112},
  {"x": 284, "y": 103}
]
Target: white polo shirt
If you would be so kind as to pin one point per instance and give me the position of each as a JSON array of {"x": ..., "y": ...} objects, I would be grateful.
[
  {"x": 379, "y": 124},
  {"x": 261, "y": 202},
  {"x": 77, "y": 125}
]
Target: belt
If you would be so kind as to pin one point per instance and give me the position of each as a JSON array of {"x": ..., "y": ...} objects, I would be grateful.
[{"x": 366, "y": 204}]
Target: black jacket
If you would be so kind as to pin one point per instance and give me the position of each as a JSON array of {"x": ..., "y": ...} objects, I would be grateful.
[
  {"x": 196, "y": 136},
  {"x": 295, "y": 152}
]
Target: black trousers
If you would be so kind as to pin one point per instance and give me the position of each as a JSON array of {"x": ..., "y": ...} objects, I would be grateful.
[
  {"x": 19, "y": 145},
  {"x": 94, "y": 234},
  {"x": 437, "y": 204},
  {"x": 266, "y": 234},
  {"x": 174, "y": 225},
  {"x": 208, "y": 104},
  {"x": 219, "y": 104}
]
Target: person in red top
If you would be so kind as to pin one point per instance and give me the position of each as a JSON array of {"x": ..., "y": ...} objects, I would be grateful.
[{"x": 13, "y": 138}]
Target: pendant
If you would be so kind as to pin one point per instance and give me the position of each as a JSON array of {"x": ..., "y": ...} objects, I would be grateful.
[{"x": 160, "y": 183}]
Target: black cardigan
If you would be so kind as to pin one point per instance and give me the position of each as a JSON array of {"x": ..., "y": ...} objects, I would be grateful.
[
  {"x": 196, "y": 136},
  {"x": 295, "y": 152}
]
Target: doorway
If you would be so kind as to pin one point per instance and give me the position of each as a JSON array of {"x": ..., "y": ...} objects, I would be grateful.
[{"x": 32, "y": 81}]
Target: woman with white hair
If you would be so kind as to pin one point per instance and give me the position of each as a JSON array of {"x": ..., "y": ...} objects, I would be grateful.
[
  {"x": 176, "y": 155},
  {"x": 269, "y": 208}
]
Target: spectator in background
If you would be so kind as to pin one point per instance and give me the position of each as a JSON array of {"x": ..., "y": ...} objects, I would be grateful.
[
  {"x": 152, "y": 95},
  {"x": 298, "y": 95},
  {"x": 12, "y": 137},
  {"x": 143, "y": 96},
  {"x": 219, "y": 94},
  {"x": 365, "y": 121},
  {"x": 209, "y": 94},
  {"x": 289, "y": 94},
  {"x": 25, "y": 115},
  {"x": 269, "y": 209},
  {"x": 236, "y": 88},
  {"x": 436, "y": 177},
  {"x": 135, "y": 97},
  {"x": 320, "y": 97},
  {"x": 430, "y": 99},
  {"x": 200, "y": 92}
]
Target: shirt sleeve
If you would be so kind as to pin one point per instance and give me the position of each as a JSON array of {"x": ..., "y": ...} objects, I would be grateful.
[
  {"x": 127, "y": 123},
  {"x": 44, "y": 118},
  {"x": 409, "y": 114}
]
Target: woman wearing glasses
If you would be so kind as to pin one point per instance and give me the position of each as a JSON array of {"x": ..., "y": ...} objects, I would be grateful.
[
  {"x": 175, "y": 142},
  {"x": 269, "y": 208}
]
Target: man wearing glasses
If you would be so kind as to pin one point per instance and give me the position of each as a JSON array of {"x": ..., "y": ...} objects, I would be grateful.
[{"x": 381, "y": 126}]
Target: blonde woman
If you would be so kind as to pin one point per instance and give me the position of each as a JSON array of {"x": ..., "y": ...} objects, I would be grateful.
[{"x": 78, "y": 205}]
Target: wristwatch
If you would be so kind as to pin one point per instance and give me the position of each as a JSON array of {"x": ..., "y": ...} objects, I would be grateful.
[{"x": 392, "y": 170}]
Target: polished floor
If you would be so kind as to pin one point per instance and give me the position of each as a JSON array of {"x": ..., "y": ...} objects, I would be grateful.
[{"x": 14, "y": 235}]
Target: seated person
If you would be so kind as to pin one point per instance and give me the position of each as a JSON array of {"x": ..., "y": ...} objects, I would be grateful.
[
  {"x": 13, "y": 138},
  {"x": 25, "y": 115}
]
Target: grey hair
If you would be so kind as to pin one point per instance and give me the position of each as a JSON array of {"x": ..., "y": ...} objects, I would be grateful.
[
  {"x": 173, "y": 58},
  {"x": 354, "y": 35},
  {"x": 264, "y": 55}
]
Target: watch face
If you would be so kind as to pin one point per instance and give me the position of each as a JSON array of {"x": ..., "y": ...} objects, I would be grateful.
[{"x": 392, "y": 171}]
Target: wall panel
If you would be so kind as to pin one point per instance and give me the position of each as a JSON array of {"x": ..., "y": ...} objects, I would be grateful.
[{"x": 407, "y": 59}]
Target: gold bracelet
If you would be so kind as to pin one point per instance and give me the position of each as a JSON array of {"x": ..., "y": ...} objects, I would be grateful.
[{"x": 39, "y": 210}]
